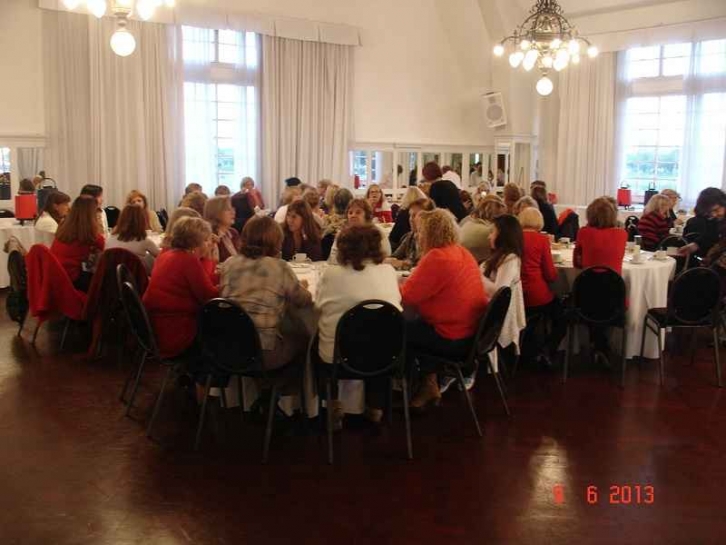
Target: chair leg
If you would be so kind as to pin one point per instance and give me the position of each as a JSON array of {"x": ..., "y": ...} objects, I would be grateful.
[
  {"x": 35, "y": 333},
  {"x": 661, "y": 358},
  {"x": 623, "y": 346},
  {"x": 202, "y": 414},
  {"x": 136, "y": 383},
  {"x": 568, "y": 353},
  {"x": 157, "y": 405},
  {"x": 407, "y": 417},
  {"x": 716, "y": 343},
  {"x": 498, "y": 381},
  {"x": 329, "y": 419},
  {"x": 65, "y": 333},
  {"x": 642, "y": 338},
  {"x": 270, "y": 419},
  {"x": 468, "y": 399}
]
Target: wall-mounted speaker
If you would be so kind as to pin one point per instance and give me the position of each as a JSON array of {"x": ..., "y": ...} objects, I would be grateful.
[{"x": 494, "y": 112}]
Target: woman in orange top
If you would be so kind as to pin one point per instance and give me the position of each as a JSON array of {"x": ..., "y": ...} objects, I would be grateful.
[{"x": 447, "y": 291}]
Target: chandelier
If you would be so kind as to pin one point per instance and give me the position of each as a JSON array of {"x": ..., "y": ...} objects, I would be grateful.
[
  {"x": 546, "y": 40},
  {"x": 122, "y": 41}
]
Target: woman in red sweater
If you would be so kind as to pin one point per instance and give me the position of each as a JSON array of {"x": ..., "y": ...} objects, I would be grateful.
[
  {"x": 538, "y": 271},
  {"x": 379, "y": 204},
  {"x": 653, "y": 225},
  {"x": 447, "y": 291},
  {"x": 179, "y": 287},
  {"x": 600, "y": 243},
  {"x": 78, "y": 241}
]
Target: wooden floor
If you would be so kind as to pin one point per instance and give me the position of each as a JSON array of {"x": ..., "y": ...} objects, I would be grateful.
[{"x": 74, "y": 470}]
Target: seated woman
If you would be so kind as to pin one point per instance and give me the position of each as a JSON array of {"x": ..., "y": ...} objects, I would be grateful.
[
  {"x": 706, "y": 225},
  {"x": 256, "y": 200},
  {"x": 179, "y": 287},
  {"x": 600, "y": 243},
  {"x": 539, "y": 194},
  {"x": 222, "y": 191},
  {"x": 403, "y": 225},
  {"x": 195, "y": 200},
  {"x": 538, "y": 272},
  {"x": 653, "y": 224},
  {"x": 443, "y": 192},
  {"x": 361, "y": 276},
  {"x": 674, "y": 197},
  {"x": 176, "y": 215},
  {"x": 360, "y": 213},
  {"x": 467, "y": 201},
  {"x": 379, "y": 204},
  {"x": 475, "y": 229},
  {"x": 95, "y": 192},
  {"x": 26, "y": 187},
  {"x": 130, "y": 234},
  {"x": 56, "y": 208},
  {"x": 219, "y": 213},
  {"x": 301, "y": 233},
  {"x": 408, "y": 254},
  {"x": 290, "y": 194},
  {"x": 336, "y": 219},
  {"x": 311, "y": 197},
  {"x": 522, "y": 204},
  {"x": 78, "y": 241},
  {"x": 511, "y": 194},
  {"x": 267, "y": 289},
  {"x": 137, "y": 198},
  {"x": 447, "y": 292}
]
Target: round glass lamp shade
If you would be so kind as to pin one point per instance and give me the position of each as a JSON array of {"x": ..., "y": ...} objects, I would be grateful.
[
  {"x": 545, "y": 86},
  {"x": 123, "y": 42}
]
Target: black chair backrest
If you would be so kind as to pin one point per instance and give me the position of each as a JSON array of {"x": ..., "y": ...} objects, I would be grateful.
[
  {"x": 370, "y": 339},
  {"x": 691, "y": 237},
  {"x": 598, "y": 296},
  {"x": 163, "y": 218},
  {"x": 5, "y": 213},
  {"x": 672, "y": 241},
  {"x": 395, "y": 209},
  {"x": 138, "y": 318},
  {"x": 570, "y": 226},
  {"x": 229, "y": 339},
  {"x": 124, "y": 275},
  {"x": 695, "y": 296},
  {"x": 17, "y": 272},
  {"x": 631, "y": 227},
  {"x": 112, "y": 214},
  {"x": 492, "y": 322}
]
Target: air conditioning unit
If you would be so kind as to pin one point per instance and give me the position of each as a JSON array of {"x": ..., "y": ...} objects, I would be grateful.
[{"x": 494, "y": 111}]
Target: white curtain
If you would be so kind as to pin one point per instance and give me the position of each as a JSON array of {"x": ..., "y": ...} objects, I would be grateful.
[
  {"x": 30, "y": 162},
  {"x": 113, "y": 121},
  {"x": 585, "y": 148},
  {"x": 307, "y": 90}
]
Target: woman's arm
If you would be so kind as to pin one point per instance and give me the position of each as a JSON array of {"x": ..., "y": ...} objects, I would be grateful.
[
  {"x": 549, "y": 272},
  {"x": 152, "y": 248}
]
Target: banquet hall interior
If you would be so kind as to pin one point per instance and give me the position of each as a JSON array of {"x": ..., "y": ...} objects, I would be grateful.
[{"x": 388, "y": 271}]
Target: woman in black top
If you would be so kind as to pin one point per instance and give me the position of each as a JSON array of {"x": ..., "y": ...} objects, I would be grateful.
[
  {"x": 706, "y": 225},
  {"x": 539, "y": 194}
]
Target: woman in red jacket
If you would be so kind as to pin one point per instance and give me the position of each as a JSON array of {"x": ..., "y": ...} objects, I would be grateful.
[
  {"x": 538, "y": 272},
  {"x": 379, "y": 204},
  {"x": 180, "y": 286},
  {"x": 78, "y": 241},
  {"x": 447, "y": 291}
]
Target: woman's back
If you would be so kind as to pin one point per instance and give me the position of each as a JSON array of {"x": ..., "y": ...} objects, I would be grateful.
[{"x": 601, "y": 247}]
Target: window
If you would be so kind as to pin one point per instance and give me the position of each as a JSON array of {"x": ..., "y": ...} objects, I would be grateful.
[
  {"x": 221, "y": 105},
  {"x": 4, "y": 160},
  {"x": 673, "y": 127}
]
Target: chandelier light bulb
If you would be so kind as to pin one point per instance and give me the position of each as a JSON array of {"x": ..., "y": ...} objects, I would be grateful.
[
  {"x": 515, "y": 59},
  {"x": 574, "y": 47},
  {"x": 97, "y": 7},
  {"x": 525, "y": 45},
  {"x": 498, "y": 50},
  {"x": 562, "y": 58},
  {"x": 123, "y": 42},
  {"x": 547, "y": 61},
  {"x": 530, "y": 59},
  {"x": 145, "y": 9},
  {"x": 555, "y": 44},
  {"x": 592, "y": 51},
  {"x": 545, "y": 86},
  {"x": 71, "y": 4},
  {"x": 575, "y": 59}
]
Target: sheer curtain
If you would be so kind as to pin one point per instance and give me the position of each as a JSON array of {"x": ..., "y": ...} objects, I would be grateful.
[
  {"x": 306, "y": 112},
  {"x": 30, "y": 162},
  {"x": 113, "y": 121},
  {"x": 585, "y": 150}
]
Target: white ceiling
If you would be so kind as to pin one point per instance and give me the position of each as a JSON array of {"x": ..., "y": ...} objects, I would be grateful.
[{"x": 574, "y": 7}]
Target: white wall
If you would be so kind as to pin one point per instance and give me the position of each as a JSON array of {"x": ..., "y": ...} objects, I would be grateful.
[{"x": 21, "y": 90}]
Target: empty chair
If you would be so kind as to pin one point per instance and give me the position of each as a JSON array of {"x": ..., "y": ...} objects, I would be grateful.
[
  {"x": 694, "y": 302},
  {"x": 356, "y": 357},
  {"x": 598, "y": 301}
]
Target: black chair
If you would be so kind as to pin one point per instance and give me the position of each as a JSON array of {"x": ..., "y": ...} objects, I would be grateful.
[
  {"x": 694, "y": 302},
  {"x": 16, "y": 302},
  {"x": 230, "y": 347},
  {"x": 675, "y": 241},
  {"x": 597, "y": 300},
  {"x": 112, "y": 214},
  {"x": 5, "y": 213},
  {"x": 631, "y": 226},
  {"x": 163, "y": 217},
  {"x": 485, "y": 341},
  {"x": 357, "y": 358},
  {"x": 395, "y": 209},
  {"x": 691, "y": 237}
]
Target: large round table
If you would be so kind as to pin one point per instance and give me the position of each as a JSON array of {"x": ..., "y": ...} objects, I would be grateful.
[
  {"x": 646, "y": 287},
  {"x": 26, "y": 234}
]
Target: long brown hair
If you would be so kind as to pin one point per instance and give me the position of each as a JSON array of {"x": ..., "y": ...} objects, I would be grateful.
[
  {"x": 310, "y": 228},
  {"x": 510, "y": 240},
  {"x": 261, "y": 237},
  {"x": 55, "y": 198},
  {"x": 131, "y": 224},
  {"x": 81, "y": 224}
]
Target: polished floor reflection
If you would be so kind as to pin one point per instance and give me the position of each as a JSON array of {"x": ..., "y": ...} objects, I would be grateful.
[{"x": 74, "y": 470}]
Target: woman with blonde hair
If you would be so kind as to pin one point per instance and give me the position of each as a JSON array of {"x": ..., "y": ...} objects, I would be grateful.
[
  {"x": 402, "y": 226},
  {"x": 176, "y": 215},
  {"x": 522, "y": 204},
  {"x": 447, "y": 292},
  {"x": 379, "y": 204},
  {"x": 476, "y": 228},
  {"x": 196, "y": 201},
  {"x": 219, "y": 213},
  {"x": 137, "y": 198},
  {"x": 653, "y": 225}
]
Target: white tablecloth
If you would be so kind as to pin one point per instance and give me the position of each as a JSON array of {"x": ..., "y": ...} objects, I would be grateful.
[
  {"x": 26, "y": 234},
  {"x": 646, "y": 286}
]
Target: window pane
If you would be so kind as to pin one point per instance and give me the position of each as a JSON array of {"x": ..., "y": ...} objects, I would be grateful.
[
  {"x": 676, "y": 50},
  {"x": 712, "y": 57},
  {"x": 647, "y": 137},
  {"x": 643, "y": 53},
  {"x": 229, "y": 93},
  {"x": 643, "y": 105},
  {"x": 668, "y": 155},
  {"x": 228, "y": 54},
  {"x": 644, "y": 69},
  {"x": 675, "y": 67}
]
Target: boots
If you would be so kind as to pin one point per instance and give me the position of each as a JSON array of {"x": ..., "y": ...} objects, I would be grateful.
[{"x": 428, "y": 393}]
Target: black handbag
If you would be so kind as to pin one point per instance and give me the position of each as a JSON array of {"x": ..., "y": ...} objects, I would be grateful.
[
  {"x": 650, "y": 192},
  {"x": 47, "y": 186}
]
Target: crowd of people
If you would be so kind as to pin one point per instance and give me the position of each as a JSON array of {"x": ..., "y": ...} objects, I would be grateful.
[{"x": 459, "y": 247}]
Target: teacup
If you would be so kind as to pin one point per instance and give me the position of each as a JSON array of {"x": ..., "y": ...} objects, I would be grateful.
[
  {"x": 300, "y": 258},
  {"x": 661, "y": 254},
  {"x": 556, "y": 257},
  {"x": 565, "y": 241}
]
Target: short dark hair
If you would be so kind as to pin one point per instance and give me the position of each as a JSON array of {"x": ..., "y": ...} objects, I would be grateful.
[
  {"x": 292, "y": 182},
  {"x": 261, "y": 237},
  {"x": 358, "y": 244},
  {"x": 539, "y": 193},
  {"x": 432, "y": 172},
  {"x": 707, "y": 199},
  {"x": 341, "y": 200},
  {"x": 364, "y": 205},
  {"x": 92, "y": 190}
]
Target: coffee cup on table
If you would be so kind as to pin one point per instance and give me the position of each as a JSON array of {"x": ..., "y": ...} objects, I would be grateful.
[
  {"x": 300, "y": 258},
  {"x": 661, "y": 254},
  {"x": 556, "y": 257}
]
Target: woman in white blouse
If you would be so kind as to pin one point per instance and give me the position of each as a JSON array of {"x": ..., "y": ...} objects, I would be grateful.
[
  {"x": 137, "y": 198},
  {"x": 56, "y": 208},
  {"x": 362, "y": 275},
  {"x": 130, "y": 234}
]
